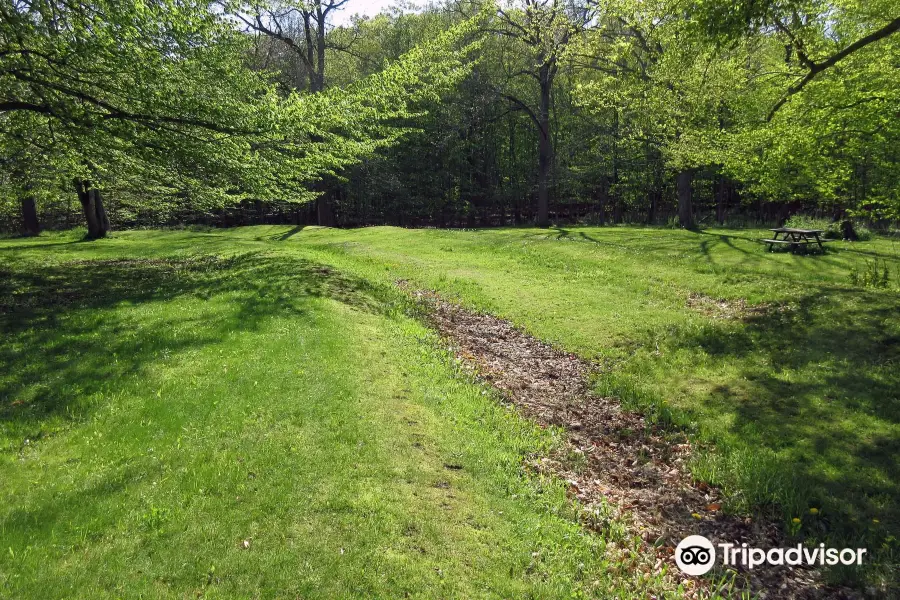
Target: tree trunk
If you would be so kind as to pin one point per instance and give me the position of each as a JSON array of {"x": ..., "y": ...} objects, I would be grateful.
[
  {"x": 545, "y": 149},
  {"x": 513, "y": 188},
  {"x": 94, "y": 211},
  {"x": 324, "y": 214},
  {"x": 309, "y": 62},
  {"x": 685, "y": 210},
  {"x": 614, "y": 191},
  {"x": 320, "y": 49},
  {"x": 848, "y": 232},
  {"x": 604, "y": 196},
  {"x": 654, "y": 202},
  {"x": 721, "y": 199},
  {"x": 101, "y": 212},
  {"x": 30, "y": 224},
  {"x": 654, "y": 194}
]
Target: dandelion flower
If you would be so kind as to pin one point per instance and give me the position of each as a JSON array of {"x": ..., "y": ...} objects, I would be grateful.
[
  {"x": 795, "y": 520},
  {"x": 696, "y": 515},
  {"x": 814, "y": 511}
]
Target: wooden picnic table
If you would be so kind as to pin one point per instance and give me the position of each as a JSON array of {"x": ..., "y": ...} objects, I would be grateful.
[{"x": 796, "y": 238}]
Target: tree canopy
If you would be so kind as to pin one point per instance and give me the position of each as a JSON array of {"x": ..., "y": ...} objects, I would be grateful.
[
  {"x": 163, "y": 96},
  {"x": 461, "y": 112}
]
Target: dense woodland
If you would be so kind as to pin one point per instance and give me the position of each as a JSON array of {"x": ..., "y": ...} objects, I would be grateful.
[{"x": 458, "y": 113}]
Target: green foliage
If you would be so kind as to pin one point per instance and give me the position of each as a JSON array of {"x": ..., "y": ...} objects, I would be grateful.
[
  {"x": 156, "y": 102},
  {"x": 702, "y": 90},
  {"x": 831, "y": 228},
  {"x": 205, "y": 114},
  {"x": 863, "y": 233},
  {"x": 872, "y": 274}
]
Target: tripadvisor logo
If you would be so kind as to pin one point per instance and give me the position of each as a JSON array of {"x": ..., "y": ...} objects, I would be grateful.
[{"x": 696, "y": 555}]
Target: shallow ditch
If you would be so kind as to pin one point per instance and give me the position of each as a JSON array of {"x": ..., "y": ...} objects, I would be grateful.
[{"x": 617, "y": 464}]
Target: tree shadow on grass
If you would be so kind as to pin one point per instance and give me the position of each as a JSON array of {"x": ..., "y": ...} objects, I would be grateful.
[
  {"x": 38, "y": 243},
  {"x": 289, "y": 234},
  {"x": 818, "y": 382},
  {"x": 65, "y": 341},
  {"x": 40, "y": 520}
]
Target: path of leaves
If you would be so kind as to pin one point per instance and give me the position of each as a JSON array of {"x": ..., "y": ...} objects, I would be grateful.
[{"x": 633, "y": 469}]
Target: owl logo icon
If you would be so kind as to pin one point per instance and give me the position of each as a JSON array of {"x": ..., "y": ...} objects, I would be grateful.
[{"x": 695, "y": 555}]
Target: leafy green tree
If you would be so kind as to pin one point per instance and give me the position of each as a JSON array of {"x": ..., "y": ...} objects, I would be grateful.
[
  {"x": 821, "y": 128},
  {"x": 122, "y": 85},
  {"x": 542, "y": 30},
  {"x": 158, "y": 95},
  {"x": 721, "y": 101}
]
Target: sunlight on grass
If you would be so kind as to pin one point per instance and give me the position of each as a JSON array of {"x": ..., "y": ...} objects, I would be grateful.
[
  {"x": 179, "y": 422},
  {"x": 799, "y": 394}
]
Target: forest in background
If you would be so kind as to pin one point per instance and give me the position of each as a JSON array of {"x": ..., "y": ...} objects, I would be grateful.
[{"x": 453, "y": 114}]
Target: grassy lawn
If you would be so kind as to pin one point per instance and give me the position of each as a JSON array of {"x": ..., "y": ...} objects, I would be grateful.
[
  {"x": 801, "y": 400},
  {"x": 183, "y": 392},
  {"x": 193, "y": 415}
]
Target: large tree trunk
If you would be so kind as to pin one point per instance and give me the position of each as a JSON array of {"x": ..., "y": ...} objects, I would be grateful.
[
  {"x": 685, "y": 210},
  {"x": 320, "y": 49},
  {"x": 30, "y": 224},
  {"x": 652, "y": 158},
  {"x": 545, "y": 149},
  {"x": 511, "y": 168},
  {"x": 316, "y": 57},
  {"x": 310, "y": 50},
  {"x": 324, "y": 213},
  {"x": 94, "y": 211}
]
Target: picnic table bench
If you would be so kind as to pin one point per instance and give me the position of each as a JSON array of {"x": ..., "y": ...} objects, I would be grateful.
[{"x": 796, "y": 238}]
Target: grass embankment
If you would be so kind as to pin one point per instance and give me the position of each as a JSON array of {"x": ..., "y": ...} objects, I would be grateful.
[
  {"x": 183, "y": 419},
  {"x": 793, "y": 379},
  {"x": 797, "y": 404}
]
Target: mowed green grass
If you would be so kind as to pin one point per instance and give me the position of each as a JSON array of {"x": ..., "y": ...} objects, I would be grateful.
[
  {"x": 795, "y": 407},
  {"x": 798, "y": 404},
  {"x": 210, "y": 415}
]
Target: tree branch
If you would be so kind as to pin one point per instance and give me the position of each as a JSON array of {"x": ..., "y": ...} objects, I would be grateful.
[
  {"x": 817, "y": 68},
  {"x": 16, "y": 105},
  {"x": 526, "y": 108}
]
